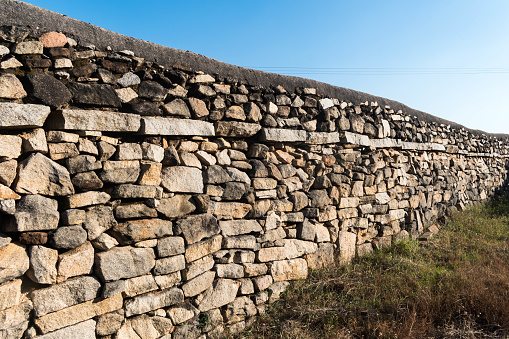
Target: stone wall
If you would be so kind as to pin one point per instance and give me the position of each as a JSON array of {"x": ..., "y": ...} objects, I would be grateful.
[{"x": 144, "y": 201}]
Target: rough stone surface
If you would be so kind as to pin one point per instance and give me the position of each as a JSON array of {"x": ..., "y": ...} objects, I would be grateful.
[
  {"x": 41, "y": 175},
  {"x": 176, "y": 207},
  {"x": 196, "y": 228},
  {"x": 11, "y": 87},
  {"x": 91, "y": 120},
  {"x": 236, "y": 227},
  {"x": 35, "y": 213},
  {"x": 48, "y": 90},
  {"x": 98, "y": 219},
  {"x": 10, "y": 294},
  {"x": 139, "y": 230},
  {"x": 223, "y": 292},
  {"x": 84, "y": 330},
  {"x": 94, "y": 94},
  {"x": 175, "y": 127},
  {"x": 71, "y": 292},
  {"x": 16, "y": 116},
  {"x": 289, "y": 269},
  {"x": 78, "y": 261},
  {"x": 124, "y": 262},
  {"x": 153, "y": 300},
  {"x": 43, "y": 261},
  {"x": 78, "y": 313},
  {"x": 182, "y": 179}
]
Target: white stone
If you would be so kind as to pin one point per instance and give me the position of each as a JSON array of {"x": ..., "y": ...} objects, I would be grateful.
[
  {"x": 91, "y": 120},
  {"x": 169, "y": 126},
  {"x": 22, "y": 115},
  {"x": 283, "y": 135}
]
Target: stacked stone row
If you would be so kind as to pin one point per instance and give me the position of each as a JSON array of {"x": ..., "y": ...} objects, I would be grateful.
[
  {"x": 112, "y": 229},
  {"x": 124, "y": 82}
]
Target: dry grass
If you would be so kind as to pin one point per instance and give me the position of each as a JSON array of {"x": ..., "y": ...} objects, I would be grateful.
[{"x": 457, "y": 286}]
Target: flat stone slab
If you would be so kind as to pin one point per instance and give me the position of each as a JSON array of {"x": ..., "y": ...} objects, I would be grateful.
[
  {"x": 283, "y": 135},
  {"x": 17, "y": 116},
  {"x": 169, "y": 126},
  {"x": 356, "y": 139},
  {"x": 236, "y": 129},
  {"x": 92, "y": 120},
  {"x": 322, "y": 138}
]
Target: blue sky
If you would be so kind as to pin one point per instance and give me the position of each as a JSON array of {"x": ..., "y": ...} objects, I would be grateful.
[{"x": 449, "y": 58}]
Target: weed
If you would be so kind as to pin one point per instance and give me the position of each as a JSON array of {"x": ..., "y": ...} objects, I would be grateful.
[{"x": 457, "y": 286}]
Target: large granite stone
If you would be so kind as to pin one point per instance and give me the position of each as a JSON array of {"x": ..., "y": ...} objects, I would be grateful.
[
  {"x": 176, "y": 207},
  {"x": 78, "y": 313},
  {"x": 292, "y": 269},
  {"x": 198, "y": 227},
  {"x": 11, "y": 87},
  {"x": 120, "y": 172},
  {"x": 91, "y": 120},
  {"x": 223, "y": 292},
  {"x": 14, "y": 320},
  {"x": 10, "y": 294},
  {"x": 283, "y": 135},
  {"x": 84, "y": 330},
  {"x": 94, "y": 94},
  {"x": 139, "y": 230},
  {"x": 236, "y": 227},
  {"x": 71, "y": 292},
  {"x": 182, "y": 179},
  {"x": 14, "y": 262},
  {"x": 98, "y": 220},
  {"x": 124, "y": 262},
  {"x": 169, "y": 126},
  {"x": 236, "y": 129},
  {"x": 40, "y": 175},
  {"x": 48, "y": 90},
  {"x": 153, "y": 301},
  {"x": 34, "y": 213},
  {"x": 43, "y": 265},
  {"x": 17, "y": 116}
]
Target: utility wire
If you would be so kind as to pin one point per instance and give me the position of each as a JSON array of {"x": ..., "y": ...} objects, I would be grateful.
[{"x": 297, "y": 70}]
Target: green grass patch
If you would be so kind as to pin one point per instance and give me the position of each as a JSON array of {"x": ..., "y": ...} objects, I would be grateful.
[{"x": 455, "y": 286}]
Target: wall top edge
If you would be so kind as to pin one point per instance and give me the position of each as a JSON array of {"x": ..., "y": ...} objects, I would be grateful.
[{"x": 39, "y": 20}]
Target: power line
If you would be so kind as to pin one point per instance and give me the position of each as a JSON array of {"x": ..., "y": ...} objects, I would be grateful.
[{"x": 297, "y": 70}]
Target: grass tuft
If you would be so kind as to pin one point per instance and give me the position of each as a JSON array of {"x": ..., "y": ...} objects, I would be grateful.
[{"x": 455, "y": 286}]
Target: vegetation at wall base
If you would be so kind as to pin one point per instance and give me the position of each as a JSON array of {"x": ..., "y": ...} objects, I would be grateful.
[{"x": 454, "y": 286}]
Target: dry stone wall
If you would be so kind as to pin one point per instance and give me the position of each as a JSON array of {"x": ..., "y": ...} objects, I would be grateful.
[{"x": 142, "y": 201}]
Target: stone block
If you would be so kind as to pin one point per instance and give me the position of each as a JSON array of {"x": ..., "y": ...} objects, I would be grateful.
[
  {"x": 97, "y": 220},
  {"x": 170, "y": 246},
  {"x": 236, "y": 129},
  {"x": 346, "y": 245},
  {"x": 283, "y": 135},
  {"x": 237, "y": 227},
  {"x": 153, "y": 301},
  {"x": 78, "y": 261},
  {"x": 203, "y": 248},
  {"x": 169, "y": 265},
  {"x": 182, "y": 179},
  {"x": 176, "y": 207},
  {"x": 120, "y": 172},
  {"x": 69, "y": 293},
  {"x": 34, "y": 213},
  {"x": 43, "y": 261},
  {"x": 134, "y": 231},
  {"x": 223, "y": 292},
  {"x": 124, "y": 262},
  {"x": 176, "y": 127},
  {"x": 90, "y": 120},
  {"x": 14, "y": 320},
  {"x": 196, "y": 228},
  {"x": 41, "y": 175},
  {"x": 77, "y": 314},
  {"x": 292, "y": 269},
  {"x": 10, "y": 146},
  {"x": 10, "y": 294}
]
